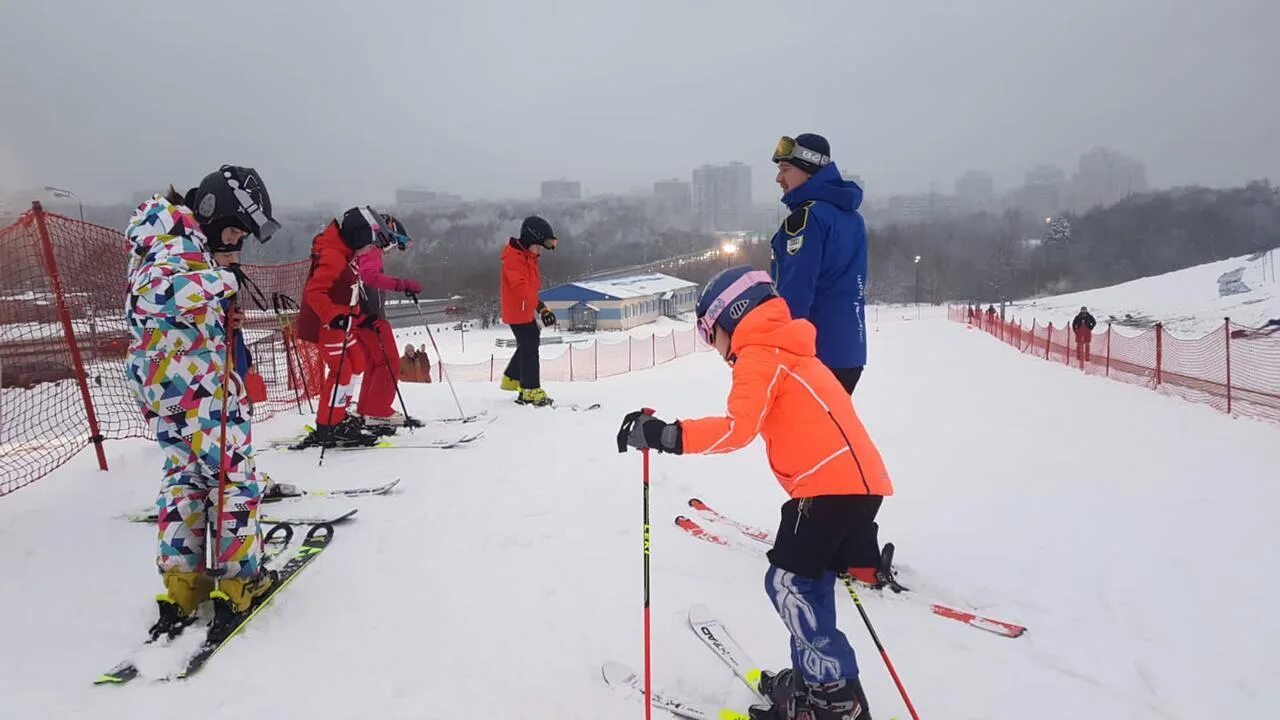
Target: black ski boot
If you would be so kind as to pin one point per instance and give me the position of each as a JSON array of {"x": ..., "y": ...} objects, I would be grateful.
[
  {"x": 358, "y": 423},
  {"x": 886, "y": 575},
  {"x": 235, "y": 599},
  {"x": 840, "y": 700},
  {"x": 341, "y": 435},
  {"x": 780, "y": 688},
  {"x": 793, "y": 700},
  {"x": 172, "y": 619}
]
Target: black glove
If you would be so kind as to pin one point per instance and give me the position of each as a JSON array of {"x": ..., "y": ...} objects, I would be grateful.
[
  {"x": 641, "y": 430},
  {"x": 340, "y": 323},
  {"x": 548, "y": 317}
]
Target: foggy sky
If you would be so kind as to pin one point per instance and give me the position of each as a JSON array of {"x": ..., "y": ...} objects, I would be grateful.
[{"x": 346, "y": 101}]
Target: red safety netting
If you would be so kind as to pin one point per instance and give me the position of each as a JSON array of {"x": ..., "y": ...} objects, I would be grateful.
[
  {"x": 1234, "y": 368},
  {"x": 63, "y": 341}
]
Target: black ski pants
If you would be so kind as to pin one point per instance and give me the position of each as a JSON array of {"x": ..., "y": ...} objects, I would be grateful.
[
  {"x": 828, "y": 532},
  {"x": 524, "y": 365}
]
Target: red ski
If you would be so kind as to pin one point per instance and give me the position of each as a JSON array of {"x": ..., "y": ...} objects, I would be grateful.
[
  {"x": 991, "y": 625},
  {"x": 999, "y": 627},
  {"x": 699, "y": 532}
]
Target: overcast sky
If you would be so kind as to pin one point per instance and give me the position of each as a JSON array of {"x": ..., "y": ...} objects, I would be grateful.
[{"x": 346, "y": 101}]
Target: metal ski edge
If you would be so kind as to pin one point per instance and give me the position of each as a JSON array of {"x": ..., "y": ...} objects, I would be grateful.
[
  {"x": 311, "y": 548},
  {"x": 623, "y": 678}
]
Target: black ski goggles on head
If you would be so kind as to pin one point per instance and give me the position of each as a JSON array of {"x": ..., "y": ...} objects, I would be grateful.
[
  {"x": 789, "y": 149},
  {"x": 264, "y": 226}
]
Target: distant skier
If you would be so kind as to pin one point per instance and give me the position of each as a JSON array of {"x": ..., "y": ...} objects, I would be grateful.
[
  {"x": 352, "y": 337},
  {"x": 825, "y": 461},
  {"x": 991, "y": 317},
  {"x": 1083, "y": 324},
  {"x": 176, "y": 367},
  {"x": 521, "y": 280}
]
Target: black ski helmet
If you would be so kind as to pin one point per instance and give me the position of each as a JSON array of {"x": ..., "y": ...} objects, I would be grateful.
[
  {"x": 233, "y": 196},
  {"x": 537, "y": 231},
  {"x": 362, "y": 225}
]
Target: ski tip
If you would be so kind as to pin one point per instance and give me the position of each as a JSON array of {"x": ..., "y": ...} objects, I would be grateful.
[
  {"x": 108, "y": 680},
  {"x": 700, "y": 614},
  {"x": 682, "y": 520},
  {"x": 696, "y": 504},
  {"x": 615, "y": 673}
]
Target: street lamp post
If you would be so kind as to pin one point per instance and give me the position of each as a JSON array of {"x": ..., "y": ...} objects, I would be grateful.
[
  {"x": 63, "y": 193},
  {"x": 728, "y": 249},
  {"x": 917, "y": 287}
]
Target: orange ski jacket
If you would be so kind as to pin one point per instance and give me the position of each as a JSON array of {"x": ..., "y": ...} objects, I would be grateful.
[
  {"x": 814, "y": 440},
  {"x": 521, "y": 280}
]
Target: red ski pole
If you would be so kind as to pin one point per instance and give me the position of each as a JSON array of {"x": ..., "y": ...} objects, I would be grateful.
[
  {"x": 627, "y": 424},
  {"x": 848, "y": 583},
  {"x": 648, "y": 674},
  {"x": 224, "y": 464}
]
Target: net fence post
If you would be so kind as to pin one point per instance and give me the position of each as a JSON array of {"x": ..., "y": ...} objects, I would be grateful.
[{"x": 68, "y": 331}]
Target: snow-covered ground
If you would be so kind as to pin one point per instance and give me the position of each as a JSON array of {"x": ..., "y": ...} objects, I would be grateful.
[
  {"x": 1134, "y": 535},
  {"x": 1189, "y": 301}
]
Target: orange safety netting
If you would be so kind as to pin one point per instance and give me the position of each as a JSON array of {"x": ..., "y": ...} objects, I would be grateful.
[{"x": 1233, "y": 368}]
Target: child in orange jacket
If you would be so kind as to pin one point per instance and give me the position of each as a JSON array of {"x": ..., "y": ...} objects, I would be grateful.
[
  {"x": 823, "y": 458},
  {"x": 521, "y": 281}
]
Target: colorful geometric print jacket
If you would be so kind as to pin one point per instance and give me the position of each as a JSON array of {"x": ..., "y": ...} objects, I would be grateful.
[{"x": 175, "y": 291}]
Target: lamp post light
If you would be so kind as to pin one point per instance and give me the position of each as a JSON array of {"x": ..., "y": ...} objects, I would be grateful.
[
  {"x": 63, "y": 194},
  {"x": 917, "y": 263},
  {"x": 729, "y": 249}
]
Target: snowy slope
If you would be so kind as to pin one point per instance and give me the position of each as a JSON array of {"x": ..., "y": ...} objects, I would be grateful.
[
  {"x": 497, "y": 578},
  {"x": 1189, "y": 301}
]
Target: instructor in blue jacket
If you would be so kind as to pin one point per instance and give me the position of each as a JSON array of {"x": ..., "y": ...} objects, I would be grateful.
[{"x": 820, "y": 253}]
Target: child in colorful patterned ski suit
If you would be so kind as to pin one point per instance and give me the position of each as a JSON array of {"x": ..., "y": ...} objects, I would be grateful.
[{"x": 176, "y": 368}]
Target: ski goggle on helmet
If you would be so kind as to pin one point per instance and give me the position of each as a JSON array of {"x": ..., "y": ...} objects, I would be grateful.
[
  {"x": 729, "y": 296},
  {"x": 789, "y": 149},
  {"x": 387, "y": 230}
]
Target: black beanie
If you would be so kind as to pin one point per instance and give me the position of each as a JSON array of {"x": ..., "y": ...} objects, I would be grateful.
[
  {"x": 536, "y": 231},
  {"x": 816, "y": 143}
]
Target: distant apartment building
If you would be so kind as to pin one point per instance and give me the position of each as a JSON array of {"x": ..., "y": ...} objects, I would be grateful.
[
  {"x": 1106, "y": 177},
  {"x": 673, "y": 196},
  {"x": 419, "y": 196},
  {"x": 921, "y": 207},
  {"x": 975, "y": 191},
  {"x": 722, "y": 196},
  {"x": 1044, "y": 191},
  {"x": 561, "y": 190}
]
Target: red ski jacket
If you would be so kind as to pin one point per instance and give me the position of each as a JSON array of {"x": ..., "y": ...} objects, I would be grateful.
[
  {"x": 521, "y": 280},
  {"x": 327, "y": 293}
]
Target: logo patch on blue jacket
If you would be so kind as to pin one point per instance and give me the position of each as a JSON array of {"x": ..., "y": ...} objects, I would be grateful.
[{"x": 794, "y": 244}]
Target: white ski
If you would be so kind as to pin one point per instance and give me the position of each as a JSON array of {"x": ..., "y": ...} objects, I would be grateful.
[
  {"x": 625, "y": 679},
  {"x": 716, "y": 636}
]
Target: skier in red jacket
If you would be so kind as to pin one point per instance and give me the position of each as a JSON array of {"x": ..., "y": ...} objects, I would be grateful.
[
  {"x": 521, "y": 280},
  {"x": 344, "y": 316}
]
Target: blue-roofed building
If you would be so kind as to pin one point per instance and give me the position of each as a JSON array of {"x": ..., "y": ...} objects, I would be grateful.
[{"x": 620, "y": 303}]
